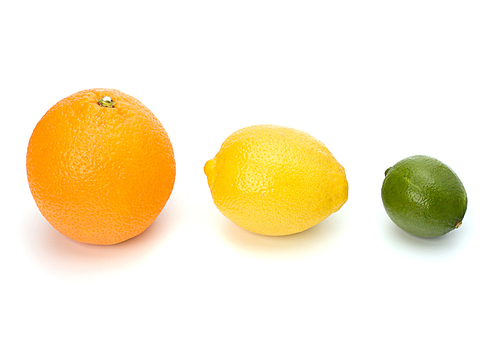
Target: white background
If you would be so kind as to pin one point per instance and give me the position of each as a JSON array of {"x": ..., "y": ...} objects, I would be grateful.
[{"x": 376, "y": 81}]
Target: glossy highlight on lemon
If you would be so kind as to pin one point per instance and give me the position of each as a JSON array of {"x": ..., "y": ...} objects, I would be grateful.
[
  {"x": 423, "y": 196},
  {"x": 275, "y": 180}
]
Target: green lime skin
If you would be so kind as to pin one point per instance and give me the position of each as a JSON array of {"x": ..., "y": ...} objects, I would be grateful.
[{"x": 423, "y": 196}]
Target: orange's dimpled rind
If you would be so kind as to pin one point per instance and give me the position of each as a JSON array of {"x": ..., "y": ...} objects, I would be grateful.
[{"x": 100, "y": 175}]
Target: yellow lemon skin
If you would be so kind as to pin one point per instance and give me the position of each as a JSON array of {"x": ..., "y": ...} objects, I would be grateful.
[{"x": 275, "y": 180}]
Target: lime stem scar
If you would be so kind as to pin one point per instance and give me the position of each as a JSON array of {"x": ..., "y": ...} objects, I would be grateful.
[
  {"x": 458, "y": 224},
  {"x": 107, "y": 102}
]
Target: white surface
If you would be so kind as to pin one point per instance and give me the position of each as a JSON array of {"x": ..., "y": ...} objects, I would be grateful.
[{"x": 376, "y": 81}]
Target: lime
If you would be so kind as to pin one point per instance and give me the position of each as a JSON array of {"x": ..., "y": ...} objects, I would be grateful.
[{"x": 423, "y": 196}]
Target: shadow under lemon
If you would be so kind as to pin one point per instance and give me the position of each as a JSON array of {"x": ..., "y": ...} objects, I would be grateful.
[{"x": 320, "y": 236}]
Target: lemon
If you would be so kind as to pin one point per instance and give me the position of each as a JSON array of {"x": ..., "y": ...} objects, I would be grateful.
[
  {"x": 423, "y": 196},
  {"x": 275, "y": 180}
]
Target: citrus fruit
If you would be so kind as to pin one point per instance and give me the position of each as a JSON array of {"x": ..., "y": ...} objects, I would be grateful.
[
  {"x": 423, "y": 196},
  {"x": 100, "y": 166},
  {"x": 274, "y": 180}
]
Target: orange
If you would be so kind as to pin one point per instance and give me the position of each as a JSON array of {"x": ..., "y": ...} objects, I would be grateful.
[{"x": 100, "y": 166}]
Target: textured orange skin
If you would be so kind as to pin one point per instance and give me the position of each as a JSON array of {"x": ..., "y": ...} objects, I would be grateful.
[
  {"x": 275, "y": 180},
  {"x": 100, "y": 175}
]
